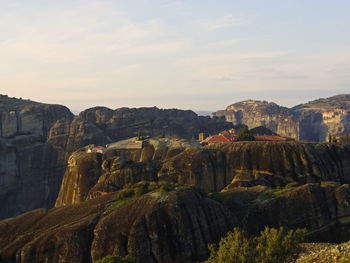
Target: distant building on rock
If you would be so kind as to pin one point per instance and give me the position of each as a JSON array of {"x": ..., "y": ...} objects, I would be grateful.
[
  {"x": 132, "y": 143},
  {"x": 96, "y": 149},
  {"x": 260, "y": 134}
]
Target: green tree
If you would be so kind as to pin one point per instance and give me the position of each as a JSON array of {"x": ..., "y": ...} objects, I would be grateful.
[
  {"x": 271, "y": 246},
  {"x": 115, "y": 259},
  {"x": 245, "y": 135}
]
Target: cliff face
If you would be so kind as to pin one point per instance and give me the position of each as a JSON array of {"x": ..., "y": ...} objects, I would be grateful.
[
  {"x": 30, "y": 167},
  {"x": 312, "y": 121},
  {"x": 30, "y": 175},
  {"x": 211, "y": 168},
  {"x": 53, "y": 133},
  {"x": 101, "y": 126},
  {"x": 324, "y": 210},
  {"x": 169, "y": 227},
  {"x": 26, "y": 117}
]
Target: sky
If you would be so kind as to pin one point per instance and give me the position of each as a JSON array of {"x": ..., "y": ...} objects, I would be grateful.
[{"x": 191, "y": 54}]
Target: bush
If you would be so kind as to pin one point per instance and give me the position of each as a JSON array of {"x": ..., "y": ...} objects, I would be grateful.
[
  {"x": 132, "y": 191},
  {"x": 141, "y": 188},
  {"x": 245, "y": 135},
  {"x": 114, "y": 259},
  {"x": 344, "y": 259},
  {"x": 271, "y": 246},
  {"x": 292, "y": 184}
]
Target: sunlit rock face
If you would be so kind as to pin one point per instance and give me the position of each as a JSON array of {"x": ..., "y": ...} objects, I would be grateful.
[
  {"x": 312, "y": 121},
  {"x": 323, "y": 209},
  {"x": 211, "y": 168},
  {"x": 37, "y": 140},
  {"x": 101, "y": 126},
  {"x": 167, "y": 228}
]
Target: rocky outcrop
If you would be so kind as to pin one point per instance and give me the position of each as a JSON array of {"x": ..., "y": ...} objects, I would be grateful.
[
  {"x": 26, "y": 117},
  {"x": 157, "y": 227},
  {"x": 91, "y": 174},
  {"x": 30, "y": 167},
  {"x": 214, "y": 167},
  {"x": 53, "y": 134},
  {"x": 312, "y": 121},
  {"x": 101, "y": 126},
  {"x": 323, "y": 209}
]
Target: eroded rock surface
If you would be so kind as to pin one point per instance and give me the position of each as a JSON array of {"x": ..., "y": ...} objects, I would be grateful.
[
  {"x": 213, "y": 168},
  {"x": 324, "y": 210},
  {"x": 168, "y": 227},
  {"x": 312, "y": 121},
  {"x": 31, "y": 168}
]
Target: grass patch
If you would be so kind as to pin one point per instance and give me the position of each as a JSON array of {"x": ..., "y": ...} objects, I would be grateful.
[
  {"x": 117, "y": 203},
  {"x": 277, "y": 192},
  {"x": 132, "y": 191},
  {"x": 115, "y": 259}
]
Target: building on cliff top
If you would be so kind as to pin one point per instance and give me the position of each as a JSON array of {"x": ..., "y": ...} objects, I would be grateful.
[
  {"x": 132, "y": 143},
  {"x": 231, "y": 136},
  {"x": 96, "y": 149}
]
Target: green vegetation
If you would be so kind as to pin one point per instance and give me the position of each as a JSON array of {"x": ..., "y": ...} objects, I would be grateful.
[
  {"x": 114, "y": 259},
  {"x": 328, "y": 183},
  {"x": 277, "y": 192},
  {"x": 271, "y": 246},
  {"x": 132, "y": 191},
  {"x": 242, "y": 207},
  {"x": 229, "y": 202},
  {"x": 344, "y": 259},
  {"x": 245, "y": 135}
]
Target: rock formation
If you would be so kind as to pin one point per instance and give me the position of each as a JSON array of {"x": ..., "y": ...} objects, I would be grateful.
[
  {"x": 38, "y": 138},
  {"x": 30, "y": 167},
  {"x": 101, "y": 125},
  {"x": 157, "y": 227},
  {"x": 323, "y": 209},
  {"x": 211, "y": 168},
  {"x": 312, "y": 121}
]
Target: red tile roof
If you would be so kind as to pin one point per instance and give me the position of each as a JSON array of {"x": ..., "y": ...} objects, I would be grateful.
[{"x": 221, "y": 138}]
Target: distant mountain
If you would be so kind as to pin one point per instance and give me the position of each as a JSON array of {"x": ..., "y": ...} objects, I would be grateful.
[{"x": 312, "y": 121}]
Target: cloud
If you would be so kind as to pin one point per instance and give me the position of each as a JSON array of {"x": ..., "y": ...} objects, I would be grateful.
[
  {"x": 225, "y": 22},
  {"x": 224, "y": 43}
]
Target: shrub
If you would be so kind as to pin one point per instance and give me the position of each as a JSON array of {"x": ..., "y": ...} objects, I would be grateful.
[
  {"x": 164, "y": 189},
  {"x": 292, "y": 184},
  {"x": 114, "y": 259},
  {"x": 271, "y": 246},
  {"x": 132, "y": 191},
  {"x": 344, "y": 259},
  {"x": 124, "y": 194},
  {"x": 245, "y": 135},
  {"x": 141, "y": 188}
]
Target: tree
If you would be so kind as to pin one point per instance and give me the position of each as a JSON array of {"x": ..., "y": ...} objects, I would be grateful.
[
  {"x": 114, "y": 259},
  {"x": 271, "y": 246},
  {"x": 245, "y": 135}
]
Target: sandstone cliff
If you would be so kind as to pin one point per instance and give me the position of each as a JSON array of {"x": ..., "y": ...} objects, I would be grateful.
[
  {"x": 30, "y": 167},
  {"x": 38, "y": 138},
  {"x": 324, "y": 210},
  {"x": 157, "y": 227},
  {"x": 212, "y": 168},
  {"x": 101, "y": 126},
  {"x": 312, "y": 121}
]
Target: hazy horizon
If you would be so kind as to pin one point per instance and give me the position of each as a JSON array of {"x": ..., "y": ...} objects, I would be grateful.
[
  {"x": 201, "y": 112},
  {"x": 172, "y": 53}
]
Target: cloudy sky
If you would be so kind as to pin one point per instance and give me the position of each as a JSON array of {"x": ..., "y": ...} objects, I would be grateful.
[{"x": 189, "y": 54}]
